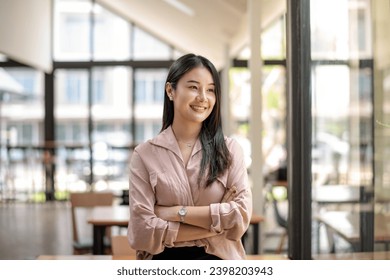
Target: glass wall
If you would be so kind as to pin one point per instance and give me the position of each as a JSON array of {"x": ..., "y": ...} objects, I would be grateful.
[
  {"x": 381, "y": 39},
  {"x": 72, "y": 27},
  {"x": 350, "y": 193},
  {"x": 109, "y": 45},
  {"x": 111, "y": 134},
  {"x": 273, "y": 98},
  {"x": 105, "y": 102},
  {"x": 149, "y": 85},
  {"x": 71, "y": 112},
  {"x": 103, "y": 105},
  {"x": 21, "y": 132}
]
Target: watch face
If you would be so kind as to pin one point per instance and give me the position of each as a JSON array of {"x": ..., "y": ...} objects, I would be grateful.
[{"x": 182, "y": 211}]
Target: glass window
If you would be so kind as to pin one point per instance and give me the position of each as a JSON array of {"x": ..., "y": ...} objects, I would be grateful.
[
  {"x": 149, "y": 86},
  {"x": 273, "y": 113},
  {"x": 72, "y": 28},
  {"x": 111, "y": 107},
  {"x": 78, "y": 132},
  {"x": 112, "y": 36},
  {"x": 23, "y": 133},
  {"x": 72, "y": 87},
  {"x": 381, "y": 22},
  {"x": 98, "y": 91},
  {"x": 156, "y": 127},
  {"x": 140, "y": 132},
  {"x": 71, "y": 104},
  {"x": 343, "y": 132},
  {"x": 75, "y": 87},
  {"x": 147, "y": 47},
  {"x": 22, "y": 106},
  {"x": 331, "y": 124},
  {"x": 21, "y": 120},
  {"x": 274, "y": 117},
  {"x": 329, "y": 38},
  {"x": 111, "y": 92},
  {"x": 140, "y": 91},
  {"x": 28, "y": 83},
  {"x": 159, "y": 91},
  {"x": 147, "y": 129},
  {"x": 61, "y": 133},
  {"x": 111, "y": 112},
  {"x": 273, "y": 44},
  {"x": 347, "y": 35}
]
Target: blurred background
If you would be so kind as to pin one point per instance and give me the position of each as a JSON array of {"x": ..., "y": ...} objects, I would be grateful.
[{"x": 82, "y": 83}]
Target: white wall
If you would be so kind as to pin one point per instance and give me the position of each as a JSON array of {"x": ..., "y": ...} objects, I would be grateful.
[{"x": 25, "y": 32}]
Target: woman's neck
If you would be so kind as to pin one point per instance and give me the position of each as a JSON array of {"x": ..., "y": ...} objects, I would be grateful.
[{"x": 186, "y": 134}]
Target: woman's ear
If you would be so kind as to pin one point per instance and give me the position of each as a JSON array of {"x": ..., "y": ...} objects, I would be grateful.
[{"x": 169, "y": 90}]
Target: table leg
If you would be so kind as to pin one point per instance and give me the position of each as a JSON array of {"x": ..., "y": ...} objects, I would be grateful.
[
  {"x": 98, "y": 240},
  {"x": 256, "y": 232}
]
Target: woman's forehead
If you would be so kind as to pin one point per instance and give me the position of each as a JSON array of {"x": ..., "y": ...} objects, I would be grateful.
[{"x": 198, "y": 74}]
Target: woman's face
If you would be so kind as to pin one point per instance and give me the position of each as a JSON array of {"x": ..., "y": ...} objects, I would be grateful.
[{"x": 194, "y": 96}]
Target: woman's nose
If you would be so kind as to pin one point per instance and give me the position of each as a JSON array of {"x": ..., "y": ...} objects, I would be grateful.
[{"x": 202, "y": 95}]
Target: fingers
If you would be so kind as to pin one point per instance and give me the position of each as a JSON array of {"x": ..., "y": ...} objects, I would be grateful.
[{"x": 230, "y": 194}]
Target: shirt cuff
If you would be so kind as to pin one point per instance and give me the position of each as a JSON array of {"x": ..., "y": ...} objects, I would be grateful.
[
  {"x": 216, "y": 225},
  {"x": 170, "y": 238}
]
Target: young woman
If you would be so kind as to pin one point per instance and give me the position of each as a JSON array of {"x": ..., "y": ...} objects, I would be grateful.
[{"x": 189, "y": 194}]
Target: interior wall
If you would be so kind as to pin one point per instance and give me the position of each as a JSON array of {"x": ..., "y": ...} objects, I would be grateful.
[{"x": 25, "y": 32}]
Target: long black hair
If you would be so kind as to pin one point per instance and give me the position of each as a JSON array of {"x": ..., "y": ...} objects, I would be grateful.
[{"x": 215, "y": 155}]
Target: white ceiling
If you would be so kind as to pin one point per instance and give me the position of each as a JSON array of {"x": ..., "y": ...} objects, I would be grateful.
[{"x": 216, "y": 26}]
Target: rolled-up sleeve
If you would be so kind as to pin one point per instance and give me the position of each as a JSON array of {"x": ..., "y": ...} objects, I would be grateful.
[
  {"x": 233, "y": 217},
  {"x": 146, "y": 232}
]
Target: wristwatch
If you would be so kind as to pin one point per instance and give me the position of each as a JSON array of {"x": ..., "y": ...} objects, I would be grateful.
[{"x": 182, "y": 213}]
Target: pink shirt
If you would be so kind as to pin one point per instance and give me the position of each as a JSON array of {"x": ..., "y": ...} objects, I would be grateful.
[{"x": 158, "y": 176}]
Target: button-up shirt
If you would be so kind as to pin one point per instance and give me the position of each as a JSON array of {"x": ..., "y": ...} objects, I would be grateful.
[{"x": 158, "y": 176}]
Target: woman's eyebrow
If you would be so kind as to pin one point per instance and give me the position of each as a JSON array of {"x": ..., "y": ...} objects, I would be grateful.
[
  {"x": 193, "y": 81},
  {"x": 196, "y": 82}
]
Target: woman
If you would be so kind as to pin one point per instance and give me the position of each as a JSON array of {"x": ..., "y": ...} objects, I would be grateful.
[{"x": 179, "y": 180}]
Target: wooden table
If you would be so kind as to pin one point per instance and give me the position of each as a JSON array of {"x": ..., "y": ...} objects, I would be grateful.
[
  {"x": 347, "y": 225},
  {"x": 74, "y": 257},
  {"x": 335, "y": 194},
  {"x": 255, "y": 223},
  {"x": 85, "y": 257},
  {"x": 102, "y": 217},
  {"x": 382, "y": 255}
]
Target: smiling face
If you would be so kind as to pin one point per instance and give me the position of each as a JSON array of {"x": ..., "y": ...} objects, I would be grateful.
[{"x": 193, "y": 96}]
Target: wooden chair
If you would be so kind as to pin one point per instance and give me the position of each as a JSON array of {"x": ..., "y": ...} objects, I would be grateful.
[
  {"x": 120, "y": 246},
  {"x": 281, "y": 220},
  {"x": 82, "y": 231}
]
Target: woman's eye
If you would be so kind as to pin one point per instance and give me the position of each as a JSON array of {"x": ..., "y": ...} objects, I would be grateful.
[
  {"x": 193, "y": 87},
  {"x": 211, "y": 90}
]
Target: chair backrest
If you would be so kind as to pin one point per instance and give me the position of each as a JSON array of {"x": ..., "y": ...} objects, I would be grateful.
[
  {"x": 276, "y": 201},
  {"x": 83, "y": 200},
  {"x": 120, "y": 246}
]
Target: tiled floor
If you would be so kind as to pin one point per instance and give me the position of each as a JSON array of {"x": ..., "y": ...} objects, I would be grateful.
[{"x": 31, "y": 229}]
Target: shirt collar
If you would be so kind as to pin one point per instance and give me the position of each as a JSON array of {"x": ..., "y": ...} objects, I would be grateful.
[{"x": 167, "y": 139}]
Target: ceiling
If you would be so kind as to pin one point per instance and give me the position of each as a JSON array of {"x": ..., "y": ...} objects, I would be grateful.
[{"x": 211, "y": 28}]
